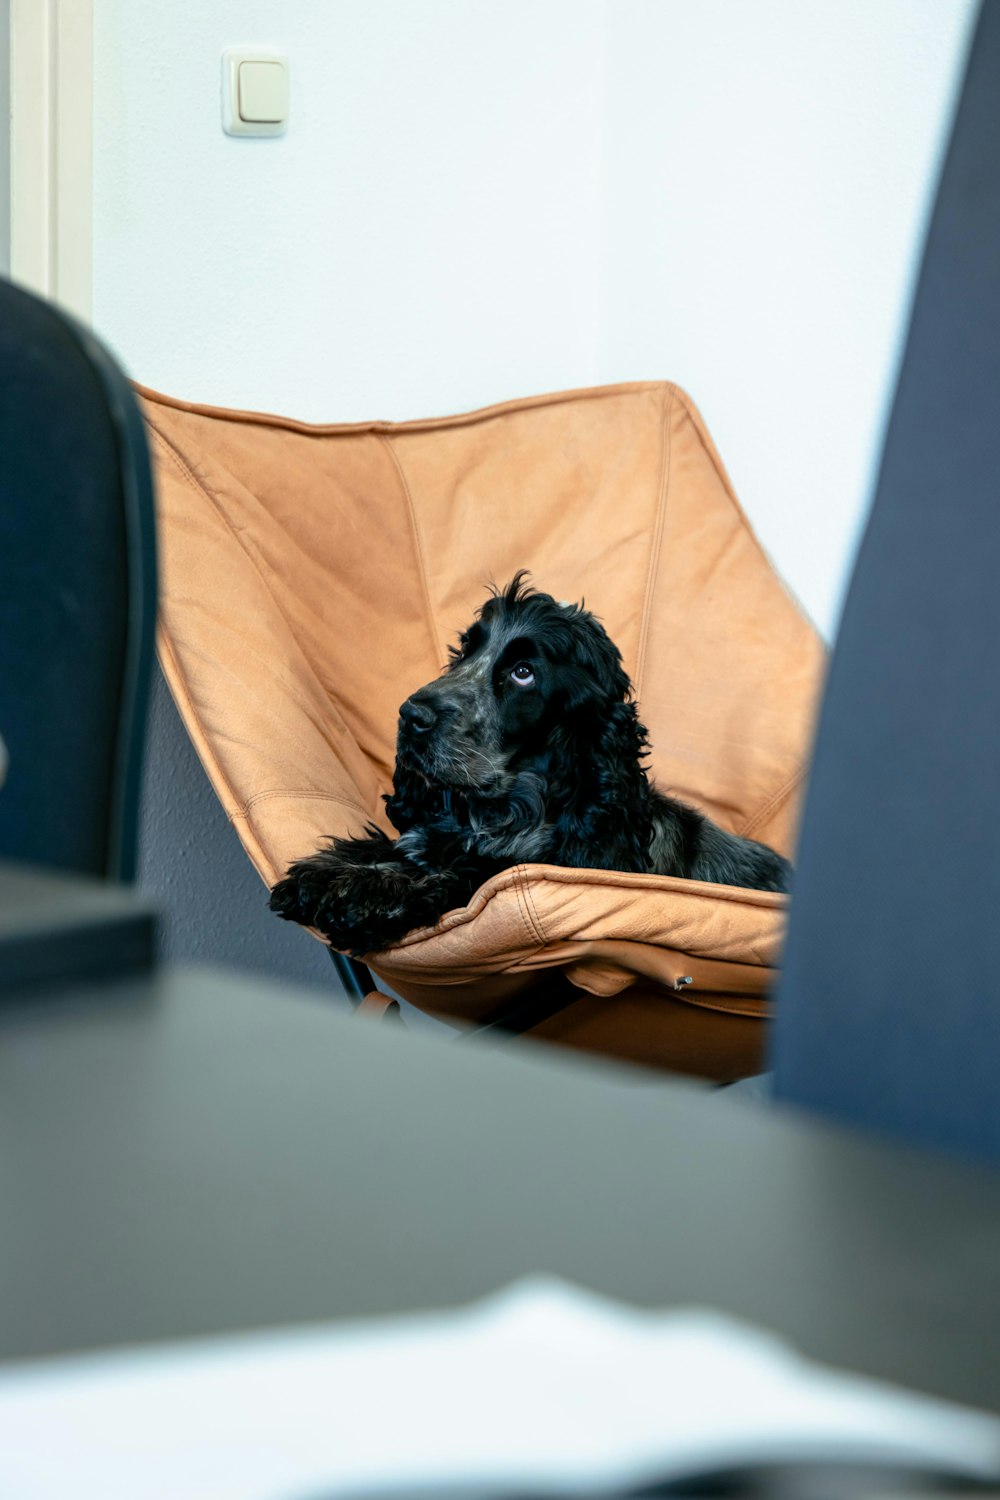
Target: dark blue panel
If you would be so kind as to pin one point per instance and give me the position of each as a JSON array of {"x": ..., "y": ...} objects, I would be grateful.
[
  {"x": 889, "y": 1012},
  {"x": 77, "y": 593}
]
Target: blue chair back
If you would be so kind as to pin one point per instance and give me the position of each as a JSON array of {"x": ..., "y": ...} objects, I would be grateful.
[{"x": 77, "y": 594}]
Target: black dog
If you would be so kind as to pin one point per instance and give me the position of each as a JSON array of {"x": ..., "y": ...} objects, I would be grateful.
[{"x": 527, "y": 748}]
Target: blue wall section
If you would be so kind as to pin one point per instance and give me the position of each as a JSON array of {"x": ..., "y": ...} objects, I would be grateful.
[{"x": 213, "y": 903}]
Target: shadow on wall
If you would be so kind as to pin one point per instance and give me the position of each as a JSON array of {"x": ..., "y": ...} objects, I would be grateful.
[{"x": 213, "y": 903}]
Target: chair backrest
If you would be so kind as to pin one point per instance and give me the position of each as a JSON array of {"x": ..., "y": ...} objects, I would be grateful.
[
  {"x": 889, "y": 1013},
  {"x": 77, "y": 594}
]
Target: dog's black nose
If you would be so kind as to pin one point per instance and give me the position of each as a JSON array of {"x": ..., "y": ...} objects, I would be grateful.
[{"x": 418, "y": 715}]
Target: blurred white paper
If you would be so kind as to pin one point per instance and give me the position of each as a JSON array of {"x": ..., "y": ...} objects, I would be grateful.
[{"x": 543, "y": 1388}]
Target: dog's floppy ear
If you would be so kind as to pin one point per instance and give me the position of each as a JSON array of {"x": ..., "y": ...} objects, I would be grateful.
[
  {"x": 610, "y": 827},
  {"x": 597, "y": 661},
  {"x": 599, "y": 745}
]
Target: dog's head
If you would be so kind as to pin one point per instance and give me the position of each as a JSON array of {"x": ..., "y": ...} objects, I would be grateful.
[{"x": 526, "y": 667}]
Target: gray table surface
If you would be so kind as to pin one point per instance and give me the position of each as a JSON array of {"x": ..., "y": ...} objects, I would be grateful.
[{"x": 199, "y": 1152}]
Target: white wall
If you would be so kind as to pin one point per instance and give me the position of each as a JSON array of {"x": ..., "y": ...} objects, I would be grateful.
[
  {"x": 771, "y": 165},
  {"x": 476, "y": 201},
  {"x": 421, "y": 240}
]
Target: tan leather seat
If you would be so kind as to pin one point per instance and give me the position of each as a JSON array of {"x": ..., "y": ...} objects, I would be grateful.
[{"x": 313, "y": 576}]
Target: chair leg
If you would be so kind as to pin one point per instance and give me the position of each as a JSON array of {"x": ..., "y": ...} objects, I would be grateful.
[
  {"x": 523, "y": 1014},
  {"x": 380, "y": 1007},
  {"x": 354, "y": 976},
  {"x": 511, "y": 1020}
]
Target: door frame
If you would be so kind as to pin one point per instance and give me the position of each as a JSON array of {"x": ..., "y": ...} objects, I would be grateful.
[{"x": 52, "y": 150}]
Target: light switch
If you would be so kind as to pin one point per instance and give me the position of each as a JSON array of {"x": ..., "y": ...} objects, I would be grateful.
[
  {"x": 264, "y": 92},
  {"x": 255, "y": 95}
]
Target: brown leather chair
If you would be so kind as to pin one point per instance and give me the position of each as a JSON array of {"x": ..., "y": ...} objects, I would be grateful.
[{"x": 313, "y": 576}]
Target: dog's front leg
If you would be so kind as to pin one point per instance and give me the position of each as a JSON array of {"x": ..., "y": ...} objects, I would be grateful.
[{"x": 365, "y": 894}]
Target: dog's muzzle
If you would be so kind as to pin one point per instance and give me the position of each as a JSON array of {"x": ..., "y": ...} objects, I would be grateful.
[
  {"x": 417, "y": 716},
  {"x": 441, "y": 737},
  {"x": 423, "y": 723}
]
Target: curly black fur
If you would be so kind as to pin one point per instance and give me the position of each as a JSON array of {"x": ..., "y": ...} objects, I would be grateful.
[{"x": 528, "y": 748}]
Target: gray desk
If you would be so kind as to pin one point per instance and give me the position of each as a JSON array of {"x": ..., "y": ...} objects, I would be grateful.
[{"x": 195, "y": 1153}]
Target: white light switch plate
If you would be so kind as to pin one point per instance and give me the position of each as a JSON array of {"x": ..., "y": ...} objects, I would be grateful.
[{"x": 255, "y": 95}]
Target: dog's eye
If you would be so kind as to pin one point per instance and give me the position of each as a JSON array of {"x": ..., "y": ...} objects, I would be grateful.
[{"x": 522, "y": 674}]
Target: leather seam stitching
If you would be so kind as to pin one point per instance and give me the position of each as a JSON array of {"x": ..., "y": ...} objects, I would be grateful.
[
  {"x": 380, "y": 427},
  {"x": 417, "y": 543},
  {"x": 304, "y": 796},
  {"x": 530, "y": 909},
  {"x": 782, "y": 794},
  {"x": 657, "y": 541}
]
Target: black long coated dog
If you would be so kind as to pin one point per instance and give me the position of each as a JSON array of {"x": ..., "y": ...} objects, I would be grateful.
[{"x": 528, "y": 748}]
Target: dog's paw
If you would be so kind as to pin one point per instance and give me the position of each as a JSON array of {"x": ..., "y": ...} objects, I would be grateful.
[
  {"x": 297, "y": 898},
  {"x": 358, "y": 908}
]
